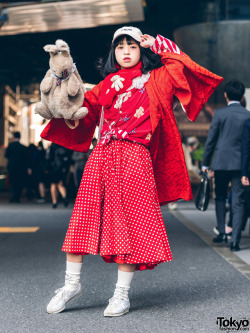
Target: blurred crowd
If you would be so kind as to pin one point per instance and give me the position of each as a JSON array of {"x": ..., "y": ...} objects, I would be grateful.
[{"x": 34, "y": 171}]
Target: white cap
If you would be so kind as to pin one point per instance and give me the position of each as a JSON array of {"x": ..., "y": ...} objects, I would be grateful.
[{"x": 131, "y": 31}]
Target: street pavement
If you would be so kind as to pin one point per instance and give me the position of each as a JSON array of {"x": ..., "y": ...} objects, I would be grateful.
[
  {"x": 185, "y": 295},
  {"x": 204, "y": 222}
]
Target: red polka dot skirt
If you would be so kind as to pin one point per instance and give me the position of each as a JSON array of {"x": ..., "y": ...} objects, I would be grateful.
[{"x": 117, "y": 212}]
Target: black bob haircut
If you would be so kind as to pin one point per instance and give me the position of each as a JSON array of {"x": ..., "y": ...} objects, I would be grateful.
[
  {"x": 149, "y": 59},
  {"x": 235, "y": 90}
]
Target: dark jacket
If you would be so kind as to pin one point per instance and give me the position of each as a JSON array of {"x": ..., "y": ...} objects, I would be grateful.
[
  {"x": 58, "y": 159},
  {"x": 17, "y": 155},
  {"x": 245, "y": 149},
  {"x": 224, "y": 138}
]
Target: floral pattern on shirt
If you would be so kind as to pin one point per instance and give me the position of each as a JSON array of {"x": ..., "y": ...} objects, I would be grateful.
[
  {"x": 128, "y": 118},
  {"x": 121, "y": 99},
  {"x": 139, "y": 112}
]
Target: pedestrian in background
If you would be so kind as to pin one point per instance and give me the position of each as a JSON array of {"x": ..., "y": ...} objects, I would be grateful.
[
  {"x": 58, "y": 163},
  {"x": 39, "y": 172},
  {"x": 80, "y": 160},
  {"x": 31, "y": 178},
  {"x": 245, "y": 153},
  {"x": 224, "y": 141},
  {"x": 245, "y": 165},
  {"x": 137, "y": 164},
  {"x": 16, "y": 153}
]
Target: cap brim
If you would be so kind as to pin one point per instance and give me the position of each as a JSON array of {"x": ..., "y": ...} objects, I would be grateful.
[{"x": 131, "y": 35}]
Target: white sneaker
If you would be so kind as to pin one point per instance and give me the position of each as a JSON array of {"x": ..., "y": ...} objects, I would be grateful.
[
  {"x": 118, "y": 304},
  {"x": 63, "y": 296}
]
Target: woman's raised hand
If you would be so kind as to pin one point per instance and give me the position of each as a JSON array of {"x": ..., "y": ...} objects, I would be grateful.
[{"x": 147, "y": 41}]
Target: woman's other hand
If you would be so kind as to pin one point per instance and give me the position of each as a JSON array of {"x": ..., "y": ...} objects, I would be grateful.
[{"x": 147, "y": 41}]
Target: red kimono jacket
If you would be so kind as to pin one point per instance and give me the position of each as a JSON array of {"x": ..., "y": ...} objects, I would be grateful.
[{"x": 180, "y": 76}]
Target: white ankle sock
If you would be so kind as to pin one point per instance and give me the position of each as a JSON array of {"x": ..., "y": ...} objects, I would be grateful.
[
  {"x": 73, "y": 267},
  {"x": 73, "y": 274},
  {"x": 124, "y": 279}
]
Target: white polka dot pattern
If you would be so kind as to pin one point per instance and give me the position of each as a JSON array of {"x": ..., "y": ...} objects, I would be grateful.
[{"x": 117, "y": 212}]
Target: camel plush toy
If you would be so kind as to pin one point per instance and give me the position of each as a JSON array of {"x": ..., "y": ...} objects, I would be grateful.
[{"x": 62, "y": 89}]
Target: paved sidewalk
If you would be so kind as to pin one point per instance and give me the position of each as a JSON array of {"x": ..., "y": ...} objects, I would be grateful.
[
  {"x": 202, "y": 223},
  {"x": 183, "y": 296}
]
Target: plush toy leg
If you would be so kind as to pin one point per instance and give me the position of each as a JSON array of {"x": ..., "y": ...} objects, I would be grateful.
[
  {"x": 43, "y": 111},
  {"x": 80, "y": 113}
]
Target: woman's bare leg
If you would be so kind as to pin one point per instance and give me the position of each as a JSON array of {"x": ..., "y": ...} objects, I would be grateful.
[
  {"x": 74, "y": 258},
  {"x": 42, "y": 190},
  {"x": 53, "y": 191},
  {"x": 126, "y": 267},
  {"x": 62, "y": 189}
]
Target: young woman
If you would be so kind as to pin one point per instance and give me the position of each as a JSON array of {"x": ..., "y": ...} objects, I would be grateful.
[{"x": 138, "y": 164}]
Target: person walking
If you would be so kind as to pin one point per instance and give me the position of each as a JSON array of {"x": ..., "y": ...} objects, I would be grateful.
[
  {"x": 224, "y": 141},
  {"x": 80, "y": 160},
  {"x": 245, "y": 153},
  {"x": 245, "y": 165},
  {"x": 31, "y": 178},
  {"x": 58, "y": 162},
  {"x": 39, "y": 172},
  {"x": 138, "y": 163},
  {"x": 16, "y": 153}
]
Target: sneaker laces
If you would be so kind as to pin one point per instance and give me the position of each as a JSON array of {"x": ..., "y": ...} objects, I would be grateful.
[
  {"x": 60, "y": 293},
  {"x": 119, "y": 295}
]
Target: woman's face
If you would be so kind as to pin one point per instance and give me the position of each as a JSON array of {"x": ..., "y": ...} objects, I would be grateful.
[{"x": 127, "y": 54}]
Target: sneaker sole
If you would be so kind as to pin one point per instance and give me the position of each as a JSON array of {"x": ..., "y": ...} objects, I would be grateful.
[
  {"x": 71, "y": 299},
  {"x": 115, "y": 315}
]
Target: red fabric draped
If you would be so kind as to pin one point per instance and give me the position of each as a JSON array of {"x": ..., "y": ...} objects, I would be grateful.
[{"x": 180, "y": 76}]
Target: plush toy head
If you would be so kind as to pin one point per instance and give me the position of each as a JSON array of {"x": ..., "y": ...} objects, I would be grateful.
[{"x": 60, "y": 58}]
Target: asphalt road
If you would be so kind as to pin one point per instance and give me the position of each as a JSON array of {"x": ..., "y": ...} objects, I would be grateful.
[{"x": 185, "y": 295}]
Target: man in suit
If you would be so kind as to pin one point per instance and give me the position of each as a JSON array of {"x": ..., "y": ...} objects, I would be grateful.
[
  {"x": 245, "y": 153},
  {"x": 224, "y": 141},
  {"x": 16, "y": 153},
  {"x": 245, "y": 166}
]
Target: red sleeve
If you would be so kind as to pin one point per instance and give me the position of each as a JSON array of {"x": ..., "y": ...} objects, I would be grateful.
[
  {"x": 78, "y": 139},
  {"x": 163, "y": 44},
  {"x": 192, "y": 83}
]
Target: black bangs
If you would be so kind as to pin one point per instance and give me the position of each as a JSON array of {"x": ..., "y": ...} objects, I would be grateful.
[
  {"x": 129, "y": 40},
  {"x": 149, "y": 59}
]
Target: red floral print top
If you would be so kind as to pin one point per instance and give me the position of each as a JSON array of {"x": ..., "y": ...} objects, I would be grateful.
[{"x": 129, "y": 118}]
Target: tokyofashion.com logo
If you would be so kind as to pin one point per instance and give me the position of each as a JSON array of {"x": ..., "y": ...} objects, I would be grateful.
[{"x": 233, "y": 325}]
